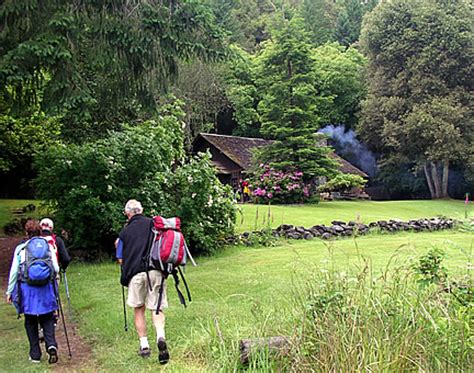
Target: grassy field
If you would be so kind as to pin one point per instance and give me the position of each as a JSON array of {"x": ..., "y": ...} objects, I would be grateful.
[
  {"x": 7, "y": 205},
  {"x": 243, "y": 292},
  {"x": 250, "y": 292},
  {"x": 365, "y": 211}
]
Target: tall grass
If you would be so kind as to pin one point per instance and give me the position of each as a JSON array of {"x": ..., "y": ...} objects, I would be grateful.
[
  {"x": 361, "y": 320},
  {"x": 378, "y": 323}
]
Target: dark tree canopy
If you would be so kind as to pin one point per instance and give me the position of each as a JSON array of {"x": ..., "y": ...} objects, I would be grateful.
[
  {"x": 419, "y": 107},
  {"x": 99, "y": 62}
]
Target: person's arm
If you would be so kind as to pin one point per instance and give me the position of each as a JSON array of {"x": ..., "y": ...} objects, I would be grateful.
[
  {"x": 15, "y": 268},
  {"x": 54, "y": 259},
  {"x": 64, "y": 257},
  {"x": 119, "y": 247}
]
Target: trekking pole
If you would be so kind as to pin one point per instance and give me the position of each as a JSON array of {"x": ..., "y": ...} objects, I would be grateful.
[
  {"x": 63, "y": 320},
  {"x": 125, "y": 326},
  {"x": 66, "y": 286}
]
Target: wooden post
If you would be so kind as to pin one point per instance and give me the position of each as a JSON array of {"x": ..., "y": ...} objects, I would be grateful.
[{"x": 278, "y": 345}]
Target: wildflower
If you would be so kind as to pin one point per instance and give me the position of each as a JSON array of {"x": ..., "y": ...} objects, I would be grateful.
[{"x": 109, "y": 188}]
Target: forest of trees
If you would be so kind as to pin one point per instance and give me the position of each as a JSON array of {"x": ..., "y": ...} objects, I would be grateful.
[{"x": 398, "y": 73}]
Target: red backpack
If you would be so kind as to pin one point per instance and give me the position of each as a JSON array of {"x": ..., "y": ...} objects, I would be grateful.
[{"x": 168, "y": 252}]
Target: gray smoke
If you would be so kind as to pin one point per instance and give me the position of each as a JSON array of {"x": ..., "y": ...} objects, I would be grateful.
[{"x": 350, "y": 148}]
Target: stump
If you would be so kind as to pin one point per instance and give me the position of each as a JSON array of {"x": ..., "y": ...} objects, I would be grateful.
[{"x": 278, "y": 345}]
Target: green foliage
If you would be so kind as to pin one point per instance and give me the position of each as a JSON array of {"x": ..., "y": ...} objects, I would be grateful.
[
  {"x": 201, "y": 87},
  {"x": 430, "y": 268},
  {"x": 289, "y": 100},
  {"x": 94, "y": 180},
  {"x": 99, "y": 63},
  {"x": 349, "y": 20},
  {"x": 419, "y": 72},
  {"x": 203, "y": 203},
  {"x": 375, "y": 320},
  {"x": 23, "y": 138},
  {"x": 320, "y": 18},
  {"x": 242, "y": 93},
  {"x": 338, "y": 77},
  {"x": 343, "y": 182}
]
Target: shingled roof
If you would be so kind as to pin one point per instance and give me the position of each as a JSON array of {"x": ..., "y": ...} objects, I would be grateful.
[
  {"x": 236, "y": 148},
  {"x": 239, "y": 150}
]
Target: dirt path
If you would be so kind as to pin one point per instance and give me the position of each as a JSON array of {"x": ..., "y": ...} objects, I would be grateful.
[{"x": 81, "y": 352}]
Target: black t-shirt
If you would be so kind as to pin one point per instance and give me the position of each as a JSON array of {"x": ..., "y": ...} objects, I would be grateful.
[{"x": 136, "y": 239}]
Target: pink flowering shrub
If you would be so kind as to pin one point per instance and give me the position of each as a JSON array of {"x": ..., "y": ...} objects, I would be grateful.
[{"x": 278, "y": 186}]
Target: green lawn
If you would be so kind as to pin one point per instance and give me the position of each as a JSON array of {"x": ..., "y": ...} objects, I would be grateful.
[
  {"x": 241, "y": 292},
  {"x": 6, "y": 206},
  {"x": 256, "y": 216}
]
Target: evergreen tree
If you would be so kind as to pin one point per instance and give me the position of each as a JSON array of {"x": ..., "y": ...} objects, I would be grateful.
[
  {"x": 288, "y": 105},
  {"x": 319, "y": 17},
  {"x": 99, "y": 63}
]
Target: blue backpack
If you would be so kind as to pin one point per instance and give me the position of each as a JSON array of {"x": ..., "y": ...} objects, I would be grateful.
[{"x": 38, "y": 265}]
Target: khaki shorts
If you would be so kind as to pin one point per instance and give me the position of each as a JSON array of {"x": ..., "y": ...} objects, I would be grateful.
[{"x": 139, "y": 293}]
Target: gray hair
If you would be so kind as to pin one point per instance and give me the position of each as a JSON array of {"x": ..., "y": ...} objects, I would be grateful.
[{"x": 133, "y": 207}]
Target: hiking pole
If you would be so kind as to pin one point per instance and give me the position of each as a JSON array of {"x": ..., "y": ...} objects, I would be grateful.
[
  {"x": 66, "y": 286},
  {"x": 63, "y": 320},
  {"x": 125, "y": 326}
]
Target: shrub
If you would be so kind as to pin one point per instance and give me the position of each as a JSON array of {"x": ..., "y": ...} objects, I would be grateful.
[
  {"x": 342, "y": 182},
  {"x": 270, "y": 185},
  {"x": 88, "y": 184}
]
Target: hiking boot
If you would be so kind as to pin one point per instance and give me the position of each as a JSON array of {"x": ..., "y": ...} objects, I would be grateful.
[
  {"x": 163, "y": 354},
  {"x": 53, "y": 354},
  {"x": 144, "y": 352}
]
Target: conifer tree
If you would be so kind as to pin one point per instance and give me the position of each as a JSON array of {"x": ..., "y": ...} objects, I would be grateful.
[{"x": 288, "y": 104}]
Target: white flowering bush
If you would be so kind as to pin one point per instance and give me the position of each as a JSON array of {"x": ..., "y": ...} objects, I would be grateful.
[{"x": 87, "y": 185}]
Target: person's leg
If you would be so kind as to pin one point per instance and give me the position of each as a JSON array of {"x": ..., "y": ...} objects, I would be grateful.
[
  {"x": 159, "y": 323},
  {"x": 158, "y": 320},
  {"x": 47, "y": 323},
  {"x": 136, "y": 298},
  {"x": 140, "y": 321},
  {"x": 31, "y": 327}
]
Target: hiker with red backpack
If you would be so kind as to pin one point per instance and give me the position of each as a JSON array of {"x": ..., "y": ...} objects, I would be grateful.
[
  {"x": 143, "y": 284},
  {"x": 32, "y": 289}
]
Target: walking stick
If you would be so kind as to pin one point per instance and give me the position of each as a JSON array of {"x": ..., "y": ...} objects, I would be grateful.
[
  {"x": 62, "y": 319},
  {"x": 125, "y": 326},
  {"x": 66, "y": 286}
]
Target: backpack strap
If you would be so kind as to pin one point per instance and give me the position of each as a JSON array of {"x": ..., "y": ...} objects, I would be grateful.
[
  {"x": 185, "y": 284},
  {"x": 176, "y": 285},
  {"x": 160, "y": 294},
  {"x": 148, "y": 257}
]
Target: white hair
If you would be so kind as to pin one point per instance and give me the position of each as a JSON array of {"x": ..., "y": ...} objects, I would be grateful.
[{"x": 133, "y": 207}]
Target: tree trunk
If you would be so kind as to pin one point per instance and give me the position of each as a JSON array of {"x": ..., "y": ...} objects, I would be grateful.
[
  {"x": 279, "y": 345},
  {"x": 428, "y": 180},
  {"x": 445, "y": 179},
  {"x": 436, "y": 179}
]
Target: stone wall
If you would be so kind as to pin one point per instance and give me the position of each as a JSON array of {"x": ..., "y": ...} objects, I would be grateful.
[{"x": 341, "y": 228}]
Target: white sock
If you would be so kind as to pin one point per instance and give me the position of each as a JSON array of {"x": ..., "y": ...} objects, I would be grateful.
[
  {"x": 144, "y": 342},
  {"x": 158, "y": 336}
]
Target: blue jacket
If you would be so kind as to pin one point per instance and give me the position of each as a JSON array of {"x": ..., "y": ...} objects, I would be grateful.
[{"x": 29, "y": 299}]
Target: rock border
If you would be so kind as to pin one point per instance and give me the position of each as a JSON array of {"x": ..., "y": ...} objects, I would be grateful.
[{"x": 352, "y": 228}]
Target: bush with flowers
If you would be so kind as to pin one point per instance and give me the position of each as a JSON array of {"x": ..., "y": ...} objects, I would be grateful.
[{"x": 270, "y": 185}]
